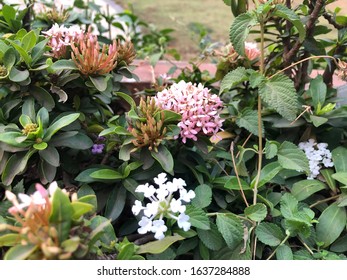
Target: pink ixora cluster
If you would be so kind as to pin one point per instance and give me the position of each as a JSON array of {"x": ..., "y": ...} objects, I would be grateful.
[
  {"x": 199, "y": 109},
  {"x": 61, "y": 37}
]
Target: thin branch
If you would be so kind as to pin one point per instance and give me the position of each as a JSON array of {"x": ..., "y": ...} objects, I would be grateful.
[{"x": 324, "y": 200}]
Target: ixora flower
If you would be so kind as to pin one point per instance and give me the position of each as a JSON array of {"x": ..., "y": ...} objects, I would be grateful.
[
  {"x": 318, "y": 156},
  {"x": 163, "y": 205},
  {"x": 90, "y": 59},
  {"x": 199, "y": 109},
  {"x": 61, "y": 38},
  {"x": 251, "y": 51}
]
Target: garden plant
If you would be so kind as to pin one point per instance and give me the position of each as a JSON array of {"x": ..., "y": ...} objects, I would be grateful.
[{"x": 248, "y": 164}]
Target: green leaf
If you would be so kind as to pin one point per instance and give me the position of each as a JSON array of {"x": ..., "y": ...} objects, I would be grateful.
[
  {"x": 61, "y": 214},
  {"x": 291, "y": 157},
  {"x": 284, "y": 252},
  {"x": 340, "y": 245},
  {"x": 248, "y": 119},
  {"x": 50, "y": 155},
  {"x": 327, "y": 174},
  {"x": 18, "y": 76},
  {"x": 170, "y": 116},
  {"x": 233, "y": 184},
  {"x": 99, "y": 82},
  {"x": 289, "y": 205},
  {"x": 267, "y": 173},
  {"x": 29, "y": 40},
  {"x": 26, "y": 57},
  {"x": 9, "y": 59},
  {"x": 256, "y": 212},
  {"x": 197, "y": 217},
  {"x": 63, "y": 64},
  {"x": 331, "y": 223},
  {"x": 279, "y": 93},
  {"x": 9, "y": 240},
  {"x": 40, "y": 146},
  {"x": 305, "y": 188},
  {"x": 126, "y": 252},
  {"x": 159, "y": 246},
  {"x": 233, "y": 78},
  {"x": 231, "y": 229},
  {"x": 102, "y": 230},
  {"x": 115, "y": 203},
  {"x": 288, "y": 14},
  {"x": 203, "y": 196},
  {"x": 125, "y": 151},
  {"x": 318, "y": 121},
  {"x": 39, "y": 50},
  {"x": 269, "y": 234},
  {"x": 59, "y": 124},
  {"x": 20, "y": 252},
  {"x": 240, "y": 29},
  {"x": 80, "y": 208},
  {"x": 127, "y": 98},
  {"x": 318, "y": 91},
  {"x": 339, "y": 156},
  {"x": 43, "y": 97},
  {"x": 15, "y": 165},
  {"x": 211, "y": 238},
  {"x": 164, "y": 157},
  {"x": 106, "y": 174},
  {"x": 9, "y": 14}
]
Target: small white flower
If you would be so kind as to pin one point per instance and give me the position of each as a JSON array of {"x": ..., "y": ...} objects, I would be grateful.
[
  {"x": 171, "y": 187},
  {"x": 160, "y": 179},
  {"x": 180, "y": 183},
  {"x": 183, "y": 222},
  {"x": 159, "y": 228},
  {"x": 186, "y": 196},
  {"x": 176, "y": 206},
  {"x": 162, "y": 193},
  {"x": 137, "y": 207},
  {"x": 151, "y": 209},
  {"x": 147, "y": 190},
  {"x": 52, "y": 188},
  {"x": 145, "y": 225}
]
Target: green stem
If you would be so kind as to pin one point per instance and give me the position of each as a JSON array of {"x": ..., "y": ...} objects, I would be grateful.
[{"x": 274, "y": 252}]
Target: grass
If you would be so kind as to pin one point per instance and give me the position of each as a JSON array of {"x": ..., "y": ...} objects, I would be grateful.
[{"x": 181, "y": 14}]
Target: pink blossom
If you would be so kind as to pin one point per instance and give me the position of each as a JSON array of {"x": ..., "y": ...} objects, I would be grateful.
[
  {"x": 251, "y": 51},
  {"x": 61, "y": 37},
  {"x": 199, "y": 109}
]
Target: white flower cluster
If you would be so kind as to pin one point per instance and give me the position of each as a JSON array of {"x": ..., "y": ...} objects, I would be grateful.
[
  {"x": 318, "y": 155},
  {"x": 163, "y": 204}
]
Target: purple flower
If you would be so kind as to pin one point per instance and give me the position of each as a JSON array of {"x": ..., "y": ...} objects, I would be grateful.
[{"x": 97, "y": 148}]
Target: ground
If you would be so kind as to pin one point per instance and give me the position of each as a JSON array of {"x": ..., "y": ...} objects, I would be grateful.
[{"x": 181, "y": 14}]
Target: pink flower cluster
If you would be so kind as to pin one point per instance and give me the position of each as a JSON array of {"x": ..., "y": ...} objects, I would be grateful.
[
  {"x": 61, "y": 37},
  {"x": 199, "y": 109},
  {"x": 251, "y": 51}
]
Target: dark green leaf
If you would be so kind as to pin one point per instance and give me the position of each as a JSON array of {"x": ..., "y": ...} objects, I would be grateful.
[
  {"x": 279, "y": 93},
  {"x": 115, "y": 203},
  {"x": 103, "y": 230},
  {"x": 240, "y": 29},
  {"x": 233, "y": 78},
  {"x": 50, "y": 155},
  {"x": 331, "y": 223},
  {"x": 318, "y": 91},
  {"x": 18, "y": 76},
  {"x": 305, "y": 188},
  {"x": 291, "y": 157},
  {"x": 164, "y": 157},
  {"x": 203, "y": 196},
  {"x": 284, "y": 252},
  {"x": 267, "y": 173},
  {"x": 269, "y": 234},
  {"x": 63, "y": 64},
  {"x": 106, "y": 174},
  {"x": 248, "y": 119},
  {"x": 256, "y": 212},
  {"x": 20, "y": 252},
  {"x": 99, "y": 82},
  {"x": 339, "y": 156},
  {"x": 231, "y": 229},
  {"x": 197, "y": 217},
  {"x": 212, "y": 238},
  {"x": 59, "y": 124}
]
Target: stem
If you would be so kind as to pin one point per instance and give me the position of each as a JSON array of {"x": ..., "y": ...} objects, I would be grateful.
[
  {"x": 306, "y": 246},
  {"x": 302, "y": 60},
  {"x": 274, "y": 252},
  {"x": 237, "y": 174},
  {"x": 324, "y": 200},
  {"x": 108, "y": 21}
]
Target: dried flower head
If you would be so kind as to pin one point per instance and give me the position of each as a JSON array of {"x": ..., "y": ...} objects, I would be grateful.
[
  {"x": 342, "y": 65},
  {"x": 126, "y": 52},
  {"x": 90, "y": 59},
  {"x": 3, "y": 71},
  {"x": 61, "y": 38},
  {"x": 199, "y": 109},
  {"x": 56, "y": 14},
  {"x": 150, "y": 132}
]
